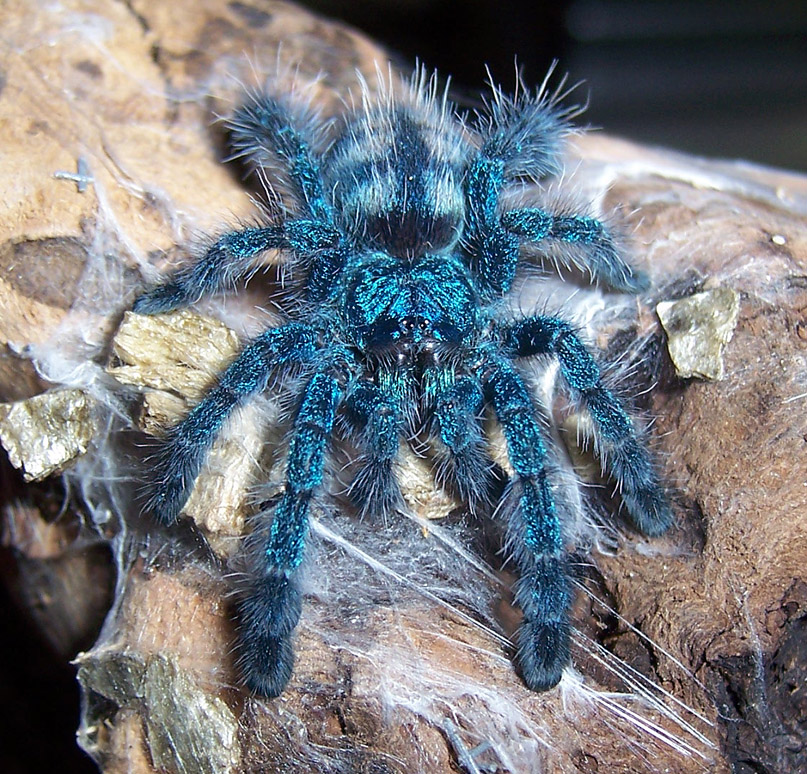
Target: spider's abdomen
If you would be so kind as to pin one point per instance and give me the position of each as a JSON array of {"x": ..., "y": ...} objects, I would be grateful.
[{"x": 396, "y": 176}]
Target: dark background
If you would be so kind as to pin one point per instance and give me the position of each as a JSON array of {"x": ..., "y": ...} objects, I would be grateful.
[{"x": 724, "y": 78}]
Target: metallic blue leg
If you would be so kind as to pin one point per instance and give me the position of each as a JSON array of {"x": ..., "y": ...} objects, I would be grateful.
[
  {"x": 623, "y": 455},
  {"x": 180, "y": 459},
  {"x": 543, "y": 591},
  {"x": 578, "y": 241},
  {"x": 225, "y": 261},
  {"x": 278, "y": 137},
  {"x": 525, "y": 132},
  {"x": 232, "y": 257},
  {"x": 272, "y": 137},
  {"x": 376, "y": 424},
  {"x": 492, "y": 251},
  {"x": 521, "y": 138},
  {"x": 457, "y": 412},
  {"x": 270, "y": 603},
  {"x": 493, "y": 242}
]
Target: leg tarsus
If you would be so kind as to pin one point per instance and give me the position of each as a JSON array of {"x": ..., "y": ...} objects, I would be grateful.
[
  {"x": 543, "y": 652},
  {"x": 626, "y": 459},
  {"x": 163, "y": 298},
  {"x": 543, "y": 592},
  {"x": 268, "y": 611}
]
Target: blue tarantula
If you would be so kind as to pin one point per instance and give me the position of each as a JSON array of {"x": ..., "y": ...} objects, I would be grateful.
[{"x": 402, "y": 249}]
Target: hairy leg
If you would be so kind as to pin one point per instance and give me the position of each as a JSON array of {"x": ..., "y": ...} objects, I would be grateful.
[
  {"x": 534, "y": 535},
  {"x": 622, "y": 453},
  {"x": 457, "y": 410},
  {"x": 491, "y": 250},
  {"x": 279, "y": 136},
  {"x": 579, "y": 241},
  {"x": 180, "y": 459},
  {"x": 233, "y": 255},
  {"x": 270, "y": 598},
  {"x": 376, "y": 427},
  {"x": 522, "y": 138}
]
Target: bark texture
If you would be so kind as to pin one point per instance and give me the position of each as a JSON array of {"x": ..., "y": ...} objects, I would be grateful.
[{"x": 691, "y": 647}]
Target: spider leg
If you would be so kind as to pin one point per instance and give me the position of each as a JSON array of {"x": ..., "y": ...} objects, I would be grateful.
[
  {"x": 493, "y": 242},
  {"x": 231, "y": 257},
  {"x": 543, "y": 590},
  {"x": 579, "y": 241},
  {"x": 279, "y": 137},
  {"x": 491, "y": 250},
  {"x": 622, "y": 453},
  {"x": 522, "y": 138},
  {"x": 376, "y": 421},
  {"x": 180, "y": 459},
  {"x": 526, "y": 131},
  {"x": 271, "y": 601},
  {"x": 457, "y": 409}
]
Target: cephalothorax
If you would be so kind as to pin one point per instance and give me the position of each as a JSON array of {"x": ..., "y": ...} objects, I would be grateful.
[{"x": 402, "y": 248}]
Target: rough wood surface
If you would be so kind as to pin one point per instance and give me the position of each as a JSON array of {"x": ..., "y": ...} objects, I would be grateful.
[{"x": 713, "y": 614}]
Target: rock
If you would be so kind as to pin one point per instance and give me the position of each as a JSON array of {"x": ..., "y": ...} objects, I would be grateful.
[
  {"x": 698, "y": 328},
  {"x": 43, "y": 435}
]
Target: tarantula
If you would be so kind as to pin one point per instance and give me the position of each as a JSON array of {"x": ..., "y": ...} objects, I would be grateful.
[{"x": 402, "y": 249}]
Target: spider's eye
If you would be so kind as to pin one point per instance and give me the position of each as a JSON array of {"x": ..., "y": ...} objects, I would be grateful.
[{"x": 414, "y": 322}]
